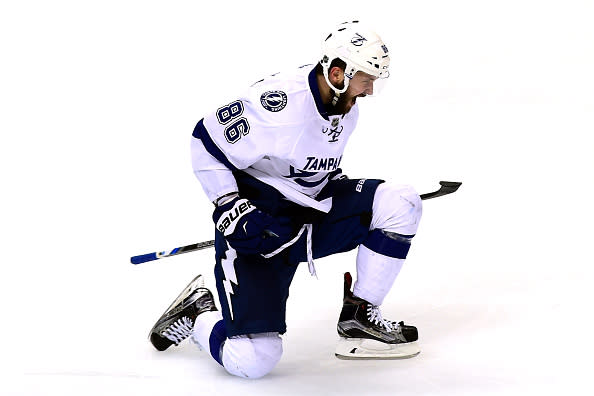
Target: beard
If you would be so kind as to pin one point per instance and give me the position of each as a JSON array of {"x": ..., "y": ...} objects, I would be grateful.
[{"x": 345, "y": 103}]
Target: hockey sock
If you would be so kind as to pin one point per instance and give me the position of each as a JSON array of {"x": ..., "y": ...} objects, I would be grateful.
[
  {"x": 217, "y": 340},
  {"x": 209, "y": 331},
  {"x": 379, "y": 261}
]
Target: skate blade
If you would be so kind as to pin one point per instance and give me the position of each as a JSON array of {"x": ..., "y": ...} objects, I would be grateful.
[{"x": 365, "y": 349}]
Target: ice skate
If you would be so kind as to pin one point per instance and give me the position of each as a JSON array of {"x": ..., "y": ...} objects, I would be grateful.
[
  {"x": 176, "y": 324},
  {"x": 364, "y": 334}
]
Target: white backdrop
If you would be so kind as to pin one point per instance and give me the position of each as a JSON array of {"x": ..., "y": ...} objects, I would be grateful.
[{"x": 98, "y": 102}]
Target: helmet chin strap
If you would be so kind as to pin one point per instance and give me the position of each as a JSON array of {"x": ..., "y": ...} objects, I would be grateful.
[
  {"x": 335, "y": 98},
  {"x": 337, "y": 92}
]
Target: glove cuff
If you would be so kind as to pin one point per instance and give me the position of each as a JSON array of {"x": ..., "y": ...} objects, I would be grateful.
[{"x": 223, "y": 199}]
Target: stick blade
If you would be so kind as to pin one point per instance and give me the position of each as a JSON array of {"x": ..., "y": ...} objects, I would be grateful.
[{"x": 447, "y": 187}]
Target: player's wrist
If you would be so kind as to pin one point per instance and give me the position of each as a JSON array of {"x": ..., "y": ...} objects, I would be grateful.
[{"x": 225, "y": 198}]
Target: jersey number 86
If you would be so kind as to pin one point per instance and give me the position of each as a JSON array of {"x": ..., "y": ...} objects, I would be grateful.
[{"x": 239, "y": 127}]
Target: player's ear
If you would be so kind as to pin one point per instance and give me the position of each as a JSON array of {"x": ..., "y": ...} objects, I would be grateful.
[{"x": 336, "y": 76}]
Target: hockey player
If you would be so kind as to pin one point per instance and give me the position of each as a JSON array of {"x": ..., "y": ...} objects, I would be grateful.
[{"x": 269, "y": 161}]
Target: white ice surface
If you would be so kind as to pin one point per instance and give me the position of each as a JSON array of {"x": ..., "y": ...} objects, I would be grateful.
[{"x": 98, "y": 101}]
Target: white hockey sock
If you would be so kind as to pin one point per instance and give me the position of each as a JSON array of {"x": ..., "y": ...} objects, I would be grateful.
[
  {"x": 376, "y": 274},
  {"x": 203, "y": 328}
]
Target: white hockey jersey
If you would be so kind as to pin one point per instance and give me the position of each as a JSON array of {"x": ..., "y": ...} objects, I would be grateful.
[{"x": 279, "y": 132}]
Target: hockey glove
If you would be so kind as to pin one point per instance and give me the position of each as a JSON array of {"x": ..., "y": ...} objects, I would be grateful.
[{"x": 248, "y": 230}]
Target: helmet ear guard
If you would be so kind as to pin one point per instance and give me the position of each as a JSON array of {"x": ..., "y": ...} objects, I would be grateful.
[{"x": 359, "y": 48}]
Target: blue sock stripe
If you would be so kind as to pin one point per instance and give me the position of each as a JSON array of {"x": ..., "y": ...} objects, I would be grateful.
[
  {"x": 218, "y": 335},
  {"x": 395, "y": 245}
]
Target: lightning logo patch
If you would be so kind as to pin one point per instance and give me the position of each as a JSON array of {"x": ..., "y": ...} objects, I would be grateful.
[
  {"x": 228, "y": 265},
  {"x": 273, "y": 100}
]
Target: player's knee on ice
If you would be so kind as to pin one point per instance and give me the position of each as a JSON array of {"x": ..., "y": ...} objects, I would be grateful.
[
  {"x": 252, "y": 356},
  {"x": 397, "y": 208}
]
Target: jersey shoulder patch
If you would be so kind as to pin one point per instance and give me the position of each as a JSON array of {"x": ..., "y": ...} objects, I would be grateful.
[{"x": 274, "y": 101}]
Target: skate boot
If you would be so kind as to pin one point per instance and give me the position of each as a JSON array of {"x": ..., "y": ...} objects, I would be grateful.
[
  {"x": 176, "y": 324},
  {"x": 364, "y": 334}
]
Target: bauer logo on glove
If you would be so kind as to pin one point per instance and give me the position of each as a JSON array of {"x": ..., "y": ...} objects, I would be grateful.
[{"x": 229, "y": 219}]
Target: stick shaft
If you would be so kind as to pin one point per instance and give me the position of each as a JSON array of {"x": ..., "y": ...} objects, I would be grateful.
[{"x": 143, "y": 258}]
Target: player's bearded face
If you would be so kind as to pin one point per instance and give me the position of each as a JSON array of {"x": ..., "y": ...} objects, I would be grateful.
[{"x": 360, "y": 86}]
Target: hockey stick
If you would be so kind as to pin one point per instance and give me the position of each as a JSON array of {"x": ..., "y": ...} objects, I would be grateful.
[{"x": 445, "y": 189}]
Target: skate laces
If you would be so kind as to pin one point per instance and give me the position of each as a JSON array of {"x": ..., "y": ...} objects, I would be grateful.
[
  {"x": 179, "y": 330},
  {"x": 375, "y": 316}
]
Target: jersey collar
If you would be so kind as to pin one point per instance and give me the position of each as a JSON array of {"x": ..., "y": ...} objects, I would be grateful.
[{"x": 315, "y": 91}]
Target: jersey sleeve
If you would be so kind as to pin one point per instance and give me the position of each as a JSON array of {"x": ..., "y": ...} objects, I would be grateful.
[{"x": 216, "y": 178}]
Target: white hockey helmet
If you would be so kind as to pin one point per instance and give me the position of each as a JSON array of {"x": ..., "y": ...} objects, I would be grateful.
[{"x": 360, "y": 48}]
